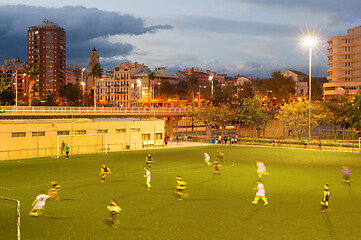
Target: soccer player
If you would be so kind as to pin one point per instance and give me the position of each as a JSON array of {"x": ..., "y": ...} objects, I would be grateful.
[
  {"x": 53, "y": 192},
  {"x": 147, "y": 175},
  {"x": 38, "y": 204},
  {"x": 346, "y": 175},
  {"x": 67, "y": 149},
  {"x": 261, "y": 169},
  {"x": 261, "y": 193},
  {"x": 104, "y": 171},
  {"x": 207, "y": 159},
  {"x": 148, "y": 161},
  {"x": 114, "y": 210},
  {"x": 181, "y": 185},
  {"x": 220, "y": 156},
  {"x": 325, "y": 198},
  {"x": 62, "y": 148},
  {"x": 217, "y": 168}
]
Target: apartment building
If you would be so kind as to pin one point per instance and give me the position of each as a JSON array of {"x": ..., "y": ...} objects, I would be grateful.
[
  {"x": 12, "y": 73},
  {"x": 47, "y": 51},
  {"x": 344, "y": 64}
]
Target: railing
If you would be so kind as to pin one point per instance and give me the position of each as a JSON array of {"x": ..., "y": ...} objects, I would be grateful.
[{"x": 80, "y": 110}]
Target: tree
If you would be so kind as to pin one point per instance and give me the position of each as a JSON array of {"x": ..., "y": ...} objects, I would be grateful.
[
  {"x": 244, "y": 90},
  {"x": 337, "y": 116},
  {"x": 3, "y": 85},
  {"x": 192, "y": 85},
  {"x": 296, "y": 116},
  {"x": 51, "y": 99},
  {"x": 7, "y": 97},
  {"x": 165, "y": 90},
  {"x": 32, "y": 74},
  {"x": 279, "y": 87},
  {"x": 224, "y": 96},
  {"x": 96, "y": 72},
  {"x": 249, "y": 113},
  {"x": 71, "y": 95},
  {"x": 353, "y": 112},
  {"x": 207, "y": 116}
]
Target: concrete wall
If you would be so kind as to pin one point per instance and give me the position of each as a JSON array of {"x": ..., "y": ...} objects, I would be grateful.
[{"x": 38, "y": 138}]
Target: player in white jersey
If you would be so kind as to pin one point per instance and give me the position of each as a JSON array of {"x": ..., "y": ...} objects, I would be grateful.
[
  {"x": 38, "y": 204},
  {"x": 207, "y": 159},
  {"x": 261, "y": 193},
  {"x": 261, "y": 169},
  {"x": 148, "y": 179}
]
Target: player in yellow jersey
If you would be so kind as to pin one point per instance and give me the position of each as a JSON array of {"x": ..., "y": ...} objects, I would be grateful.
[
  {"x": 220, "y": 156},
  {"x": 114, "y": 210},
  {"x": 217, "y": 167},
  {"x": 53, "y": 192},
  {"x": 148, "y": 161},
  {"x": 181, "y": 185},
  {"x": 325, "y": 198},
  {"x": 104, "y": 171}
]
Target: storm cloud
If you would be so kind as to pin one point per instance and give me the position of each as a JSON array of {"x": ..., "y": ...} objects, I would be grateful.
[{"x": 85, "y": 28}]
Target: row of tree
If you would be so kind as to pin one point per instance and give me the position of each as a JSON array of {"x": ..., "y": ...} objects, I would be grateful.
[{"x": 345, "y": 112}]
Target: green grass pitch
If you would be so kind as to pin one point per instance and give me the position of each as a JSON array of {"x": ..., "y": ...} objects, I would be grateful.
[{"x": 218, "y": 207}]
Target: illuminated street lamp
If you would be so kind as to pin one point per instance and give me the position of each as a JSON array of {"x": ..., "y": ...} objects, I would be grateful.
[
  {"x": 310, "y": 42},
  {"x": 16, "y": 86},
  {"x": 199, "y": 95},
  {"x": 211, "y": 79},
  {"x": 139, "y": 90},
  {"x": 83, "y": 84}
]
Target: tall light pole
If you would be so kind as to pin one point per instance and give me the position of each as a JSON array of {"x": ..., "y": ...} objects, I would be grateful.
[
  {"x": 211, "y": 79},
  {"x": 310, "y": 42},
  {"x": 140, "y": 91},
  {"x": 16, "y": 86},
  {"x": 83, "y": 84},
  {"x": 82, "y": 75},
  {"x": 199, "y": 95},
  {"x": 95, "y": 95}
]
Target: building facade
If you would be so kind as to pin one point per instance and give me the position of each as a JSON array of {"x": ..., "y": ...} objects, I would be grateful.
[
  {"x": 41, "y": 137},
  {"x": 12, "y": 72},
  {"x": 344, "y": 64},
  {"x": 301, "y": 82},
  {"x": 47, "y": 51}
]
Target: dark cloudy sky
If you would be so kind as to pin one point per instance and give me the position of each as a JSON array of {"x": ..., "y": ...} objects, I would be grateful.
[{"x": 247, "y": 37}]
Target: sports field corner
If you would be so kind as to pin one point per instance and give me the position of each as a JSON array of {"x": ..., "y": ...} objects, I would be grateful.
[{"x": 216, "y": 207}]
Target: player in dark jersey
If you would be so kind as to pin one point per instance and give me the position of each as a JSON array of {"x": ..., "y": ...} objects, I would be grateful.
[{"x": 104, "y": 171}]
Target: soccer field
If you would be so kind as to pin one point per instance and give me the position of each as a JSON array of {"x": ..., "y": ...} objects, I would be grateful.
[{"x": 218, "y": 207}]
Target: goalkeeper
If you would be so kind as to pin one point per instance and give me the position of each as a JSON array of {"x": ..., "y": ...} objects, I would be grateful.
[
  {"x": 114, "y": 210},
  {"x": 53, "y": 192}
]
